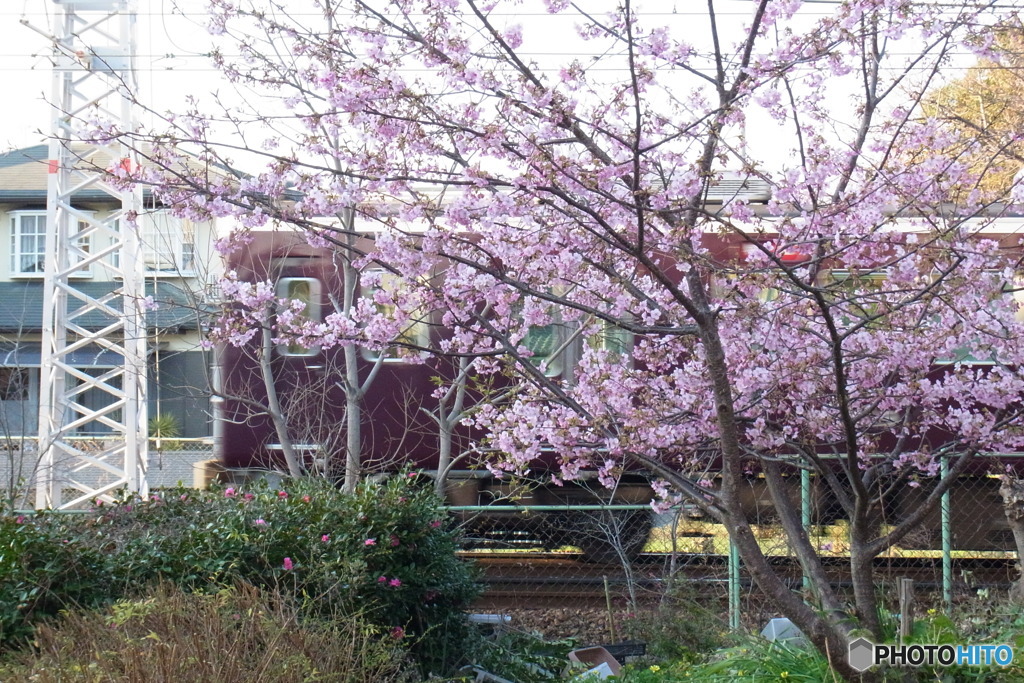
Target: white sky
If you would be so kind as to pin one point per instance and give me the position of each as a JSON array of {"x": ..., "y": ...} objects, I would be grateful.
[
  {"x": 169, "y": 61},
  {"x": 172, "y": 39}
]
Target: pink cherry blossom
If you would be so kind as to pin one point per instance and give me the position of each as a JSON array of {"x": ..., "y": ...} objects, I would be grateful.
[{"x": 728, "y": 301}]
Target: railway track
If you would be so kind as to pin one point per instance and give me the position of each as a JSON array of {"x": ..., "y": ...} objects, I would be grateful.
[{"x": 550, "y": 580}]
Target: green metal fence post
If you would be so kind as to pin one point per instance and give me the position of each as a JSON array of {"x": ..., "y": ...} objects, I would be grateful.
[
  {"x": 734, "y": 585},
  {"x": 805, "y": 513}
]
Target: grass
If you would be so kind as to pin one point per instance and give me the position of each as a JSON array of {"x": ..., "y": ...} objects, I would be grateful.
[{"x": 235, "y": 635}]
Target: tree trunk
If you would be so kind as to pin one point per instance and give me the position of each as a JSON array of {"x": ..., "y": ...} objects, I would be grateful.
[
  {"x": 277, "y": 416},
  {"x": 353, "y": 420}
]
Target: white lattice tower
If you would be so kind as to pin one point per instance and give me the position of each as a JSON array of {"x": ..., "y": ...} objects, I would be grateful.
[{"x": 93, "y": 79}]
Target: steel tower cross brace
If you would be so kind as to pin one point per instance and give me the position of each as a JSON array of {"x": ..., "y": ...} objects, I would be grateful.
[{"x": 93, "y": 80}]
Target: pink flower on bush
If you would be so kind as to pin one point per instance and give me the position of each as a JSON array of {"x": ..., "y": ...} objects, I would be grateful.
[
  {"x": 370, "y": 541},
  {"x": 395, "y": 583},
  {"x": 260, "y": 522},
  {"x": 306, "y": 499},
  {"x": 248, "y": 496},
  {"x": 288, "y": 564},
  {"x": 20, "y": 519},
  {"x": 382, "y": 579},
  {"x": 436, "y": 523},
  {"x": 282, "y": 494},
  {"x": 183, "y": 497},
  {"x": 325, "y": 538},
  {"x": 398, "y": 633},
  {"x": 412, "y": 474},
  {"x": 394, "y": 541},
  {"x": 229, "y": 492}
]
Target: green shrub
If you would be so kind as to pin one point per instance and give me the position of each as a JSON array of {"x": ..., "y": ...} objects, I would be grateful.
[
  {"x": 524, "y": 657},
  {"x": 164, "y": 431},
  {"x": 679, "y": 627},
  {"x": 236, "y": 635},
  {"x": 44, "y": 569},
  {"x": 756, "y": 659},
  {"x": 384, "y": 553}
]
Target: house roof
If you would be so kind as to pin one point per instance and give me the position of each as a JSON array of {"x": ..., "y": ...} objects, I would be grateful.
[
  {"x": 21, "y": 306},
  {"x": 24, "y": 173},
  {"x": 24, "y": 176}
]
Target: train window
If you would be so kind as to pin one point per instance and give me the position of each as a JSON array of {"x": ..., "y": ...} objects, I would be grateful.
[
  {"x": 415, "y": 334},
  {"x": 1008, "y": 291},
  {"x": 306, "y": 290},
  {"x": 545, "y": 343},
  {"x": 860, "y": 294},
  {"x": 617, "y": 341}
]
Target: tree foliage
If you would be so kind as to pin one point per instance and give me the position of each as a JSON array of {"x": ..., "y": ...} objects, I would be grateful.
[
  {"x": 984, "y": 108},
  {"x": 851, "y": 319}
]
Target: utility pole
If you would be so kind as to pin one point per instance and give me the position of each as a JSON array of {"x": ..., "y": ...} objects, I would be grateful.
[{"x": 93, "y": 79}]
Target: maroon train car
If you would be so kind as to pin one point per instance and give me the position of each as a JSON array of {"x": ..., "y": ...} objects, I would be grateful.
[{"x": 397, "y": 431}]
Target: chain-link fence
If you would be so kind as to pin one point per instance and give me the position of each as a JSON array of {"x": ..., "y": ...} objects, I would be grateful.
[
  {"x": 599, "y": 565},
  {"x": 171, "y": 462},
  {"x": 595, "y": 571}
]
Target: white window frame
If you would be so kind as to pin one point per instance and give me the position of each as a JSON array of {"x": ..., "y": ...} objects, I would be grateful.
[{"x": 17, "y": 228}]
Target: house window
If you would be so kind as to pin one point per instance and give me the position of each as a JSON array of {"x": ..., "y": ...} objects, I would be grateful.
[
  {"x": 168, "y": 243},
  {"x": 96, "y": 399},
  {"x": 28, "y": 243},
  {"x": 306, "y": 290},
  {"x": 19, "y": 401},
  {"x": 415, "y": 334},
  {"x": 14, "y": 384}
]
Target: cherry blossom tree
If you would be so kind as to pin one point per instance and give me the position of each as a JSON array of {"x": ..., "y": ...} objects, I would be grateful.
[{"x": 713, "y": 307}]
